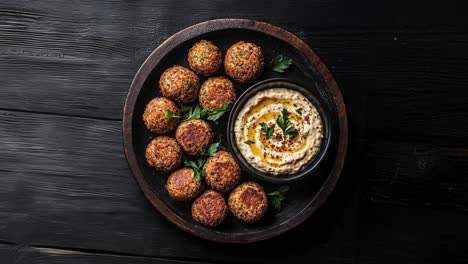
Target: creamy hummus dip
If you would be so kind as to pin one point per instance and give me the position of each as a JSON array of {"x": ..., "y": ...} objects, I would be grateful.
[{"x": 278, "y": 131}]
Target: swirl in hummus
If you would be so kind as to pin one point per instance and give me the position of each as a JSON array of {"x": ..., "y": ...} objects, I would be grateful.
[{"x": 278, "y": 131}]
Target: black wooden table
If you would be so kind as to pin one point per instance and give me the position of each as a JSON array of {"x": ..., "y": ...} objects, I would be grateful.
[{"x": 67, "y": 195}]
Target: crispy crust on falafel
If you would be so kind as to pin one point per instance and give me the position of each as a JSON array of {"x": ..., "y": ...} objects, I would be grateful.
[
  {"x": 155, "y": 118},
  {"x": 216, "y": 91},
  {"x": 204, "y": 58},
  {"x": 210, "y": 208},
  {"x": 248, "y": 202},
  {"x": 179, "y": 84},
  {"x": 182, "y": 186},
  {"x": 222, "y": 173},
  {"x": 163, "y": 154},
  {"x": 193, "y": 134},
  {"x": 244, "y": 62}
]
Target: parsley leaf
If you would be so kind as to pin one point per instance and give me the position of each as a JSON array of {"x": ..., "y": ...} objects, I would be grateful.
[
  {"x": 280, "y": 63},
  {"x": 170, "y": 114},
  {"x": 280, "y": 121},
  {"x": 195, "y": 112},
  {"x": 211, "y": 149},
  {"x": 200, "y": 162},
  {"x": 197, "y": 167},
  {"x": 268, "y": 131},
  {"x": 249, "y": 142},
  {"x": 218, "y": 112},
  {"x": 277, "y": 197},
  {"x": 299, "y": 111},
  {"x": 292, "y": 132},
  {"x": 185, "y": 108},
  {"x": 264, "y": 127},
  {"x": 286, "y": 125},
  {"x": 221, "y": 147}
]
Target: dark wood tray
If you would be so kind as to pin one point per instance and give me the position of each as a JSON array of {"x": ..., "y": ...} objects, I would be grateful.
[{"x": 305, "y": 196}]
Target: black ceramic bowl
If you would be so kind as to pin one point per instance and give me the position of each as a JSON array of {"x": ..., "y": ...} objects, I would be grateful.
[{"x": 313, "y": 98}]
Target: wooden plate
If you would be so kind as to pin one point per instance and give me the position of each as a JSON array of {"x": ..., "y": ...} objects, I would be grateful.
[{"x": 305, "y": 196}]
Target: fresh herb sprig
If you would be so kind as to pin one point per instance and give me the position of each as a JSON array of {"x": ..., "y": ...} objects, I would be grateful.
[
  {"x": 185, "y": 108},
  {"x": 197, "y": 112},
  {"x": 192, "y": 112},
  {"x": 221, "y": 146},
  {"x": 280, "y": 63},
  {"x": 197, "y": 167},
  {"x": 299, "y": 111},
  {"x": 286, "y": 125},
  {"x": 212, "y": 149},
  {"x": 218, "y": 112},
  {"x": 249, "y": 142},
  {"x": 277, "y": 197},
  {"x": 268, "y": 131},
  {"x": 171, "y": 114}
]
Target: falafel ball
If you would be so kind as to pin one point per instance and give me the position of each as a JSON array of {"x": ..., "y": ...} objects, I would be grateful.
[
  {"x": 182, "y": 185},
  {"x": 155, "y": 117},
  {"x": 204, "y": 58},
  {"x": 164, "y": 154},
  {"x": 210, "y": 208},
  {"x": 244, "y": 62},
  {"x": 216, "y": 91},
  {"x": 222, "y": 172},
  {"x": 179, "y": 84},
  {"x": 248, "y": 202},
  {"x": 193, "y": 134}
]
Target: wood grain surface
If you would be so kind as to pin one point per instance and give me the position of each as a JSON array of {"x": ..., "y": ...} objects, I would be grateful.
[
  {"x": 46, "y": 255},
  {"x": 66, "y": 67},
  {"x": 47, "y": 205}
]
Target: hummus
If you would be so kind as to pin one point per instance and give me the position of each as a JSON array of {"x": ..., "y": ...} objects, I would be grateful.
[{"x": 278, "y": 131}]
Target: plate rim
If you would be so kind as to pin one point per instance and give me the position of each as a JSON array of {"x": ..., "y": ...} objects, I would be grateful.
[{"x": 195, "y": 31}]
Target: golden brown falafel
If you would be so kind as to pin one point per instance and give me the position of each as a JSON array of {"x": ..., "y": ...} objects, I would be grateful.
[
  {"x": 244, "y": 62},
  {"x": 222, "y": 172},
  {"x": 182, "y": 185},
  {"x": 193, "y": 134},
  {"x": 179, "y": 84},
  {"x": 155, "y": 118},
  {"x": 210, "y": 208},
  {"x": 248, "y": 202},
  {"x": 216, "y": 91},
  {"x": 204, "y": 58},
  {"x": 164, "y": 154}
]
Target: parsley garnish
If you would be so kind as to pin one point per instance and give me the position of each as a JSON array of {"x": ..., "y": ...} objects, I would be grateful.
[
  {"x": 212, "y": 149},
  {"x": 249, "y": 142},
  {"x": 277, "y": 197},
  {"x": 197, "y": 167},
  {"x": 299, "y": 111},
  {"x": 291, "y": 132},
  {"x": 286, "y": 125},
  {"x": 280, "y": 63},
  {"x": 196, "y": 112},
  {"x": 218, "y": 112},
  {"x": 268, "y": 131},
  {"x": 221, "y": 147},
  {"x": 170, "y": 114},
  {"x": 193, "y": 112},
  {"x": 185, "y": 108}
]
